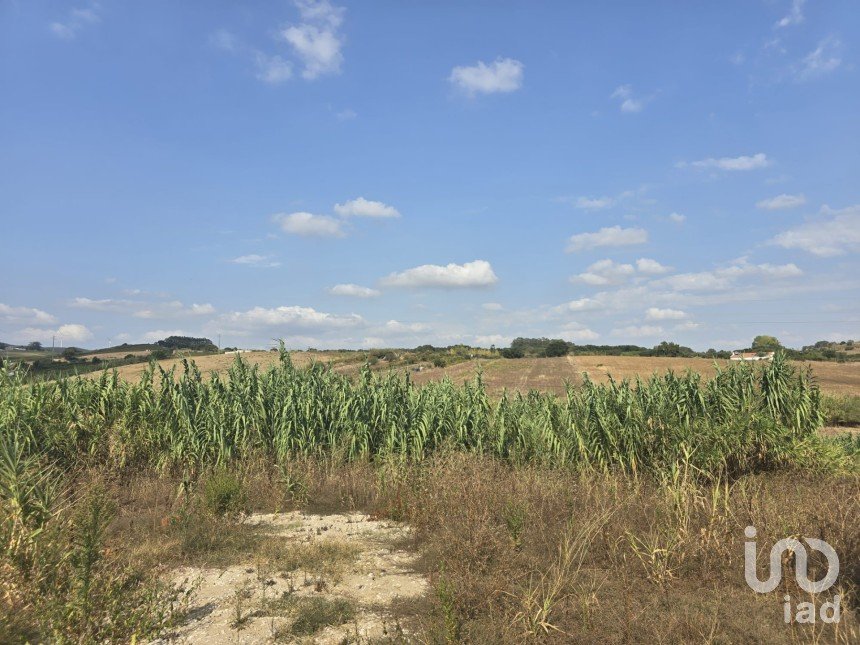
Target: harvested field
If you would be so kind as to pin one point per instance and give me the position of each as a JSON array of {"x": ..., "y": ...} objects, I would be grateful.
[
  {"x": 544, "y": 374},
  {"x": 549, "y": 374}
]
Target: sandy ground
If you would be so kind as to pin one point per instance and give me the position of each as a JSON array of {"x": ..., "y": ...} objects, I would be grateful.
[{"x": 380, "y": 574}]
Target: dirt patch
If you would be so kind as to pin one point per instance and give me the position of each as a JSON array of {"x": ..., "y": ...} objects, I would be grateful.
[{"x": 318, "y": 578}]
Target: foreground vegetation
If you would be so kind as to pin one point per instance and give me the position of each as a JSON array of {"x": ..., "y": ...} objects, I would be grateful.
[{"x": 615, "y": 512}]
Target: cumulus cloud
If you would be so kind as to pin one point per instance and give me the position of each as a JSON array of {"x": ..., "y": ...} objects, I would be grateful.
[
  {"x": 650, "y": 267},
  {"x": 604, "y": 272},
  {"x": 726, "y": 277},
  {"x": 677, "y": 218},
  {"x": 502, "y": 75},
  {"x": 317, "y": 41},
  {"x": 637, "y": 331},
  {"x": 255, "y": 260},
  {"x": 471, "y": 274},
  {"x": 577, "y": 333},
  {"x": 655, "y": 313},
  {"x": 837, "y": 232},
  {"x": 397, "y": 327},
  {"x": 627, "y": 101},
  {"x": 362, "y": 207},
  {"x": 579, "y": 305},
  {"x": 821, "y": 61},
  {"x": 64, "y": 334},
  {"x": 492, "y": 306},
  {"x": 354, "y": 291},
  {"x": 25, "y": 315},
  {"x": 611, "y": 236},
  {"x": 174, "y": 309},
  {"x": 104, "y": 304},
  {"x": 608, "y": 272},
  {"x": 309, "y": 225},
  {"x": 781, "y": 202},
  {"x": 78, "y": 19},
  {"x": 751, "y": 162},
  {"x": 287, "y": 318}
]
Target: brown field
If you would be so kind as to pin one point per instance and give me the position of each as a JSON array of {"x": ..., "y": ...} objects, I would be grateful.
[
  {"x": 544, "y": 374},
  {"x": 549, "y": 374},
  {"x": 221, "y": 362}
]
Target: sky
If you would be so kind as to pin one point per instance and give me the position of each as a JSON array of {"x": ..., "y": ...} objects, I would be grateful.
[{"x": 394, "y": 173}]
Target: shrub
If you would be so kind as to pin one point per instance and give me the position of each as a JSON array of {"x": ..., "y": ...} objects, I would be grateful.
[{"x": 223, "y": 494}]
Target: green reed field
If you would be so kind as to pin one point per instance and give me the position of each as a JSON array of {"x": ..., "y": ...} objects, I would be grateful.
[{"x": 649, "y": 468}]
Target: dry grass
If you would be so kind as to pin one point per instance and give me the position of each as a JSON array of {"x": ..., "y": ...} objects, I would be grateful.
[
  {"x": 544, "y": 374},
  {"x": 549, "y": 374}
]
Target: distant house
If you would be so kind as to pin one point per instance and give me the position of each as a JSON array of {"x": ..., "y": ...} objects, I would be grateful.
[{"x": 751, "y": 356}]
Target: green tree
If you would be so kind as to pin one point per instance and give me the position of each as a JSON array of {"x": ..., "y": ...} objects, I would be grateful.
[
  {"x": 556, "y": 348},
  {"x": 765, "y": 344}
]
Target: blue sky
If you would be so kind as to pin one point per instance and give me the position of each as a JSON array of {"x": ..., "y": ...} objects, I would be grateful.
[{"x": 393, "y": 173}]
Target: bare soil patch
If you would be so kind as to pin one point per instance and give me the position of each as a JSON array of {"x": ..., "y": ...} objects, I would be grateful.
[{"x": 318, "y": 578}]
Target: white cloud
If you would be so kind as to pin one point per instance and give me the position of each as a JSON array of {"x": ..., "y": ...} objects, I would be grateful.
[
  {"x": 650, "y": 267},
  {"x": 272, "y": 69},
  {"x": 581, "y": 304},
  {"x": 628, "y": 102},
  {"x": 821, "y": 61},
  {"x": 837, "y": 233},
  {"x": 309, "y": 225},
  {"x": 726, "y": 277},
  {"x": 287, "y": 318},
  {"x": 492, "y": 306},
  {"x": 752, "y": 162},
  {"x": 687, "y": 326},
  {"x": 25, "y": 315},
  {"x": 608, "y": 272},
  {"x": 104, "y": 304},
  {"x": 161, "y": 334},
  {"x": 604, "y": 272},
  {"x": 397, "y": 327},
  {"x": 794, "y": 16},
  {"x": 677, "y": 218},
  {"x": 361, "y": 207},
  {"x": 579, "y": 335},
  {"x": 173, "y": 309},
  {"x": 317, "y": 41},
  {"x": 354, "y": 291},
  {"x": 471, "y": 274},
  {"x": 655, "y": 313},
  {"x": 611, "y": 236},
  {"x": 255, "y": 260},
  {"x": 502, "y": 75},
  {"x": 635, "y": 331},
  {"x": 141, "y": 309},
  {"x": 781, "y": 202},
  {"x": 594, "y": 203},
  {"x": 78, "y": 19},
  {"x": 64, "y": 334}
]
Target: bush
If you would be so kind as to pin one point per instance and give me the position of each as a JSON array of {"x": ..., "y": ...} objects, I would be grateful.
[
  {"x": 556, "y": 348},
  {"x": 223, "y": 494},
  {"x": 512, "y": 352}
]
